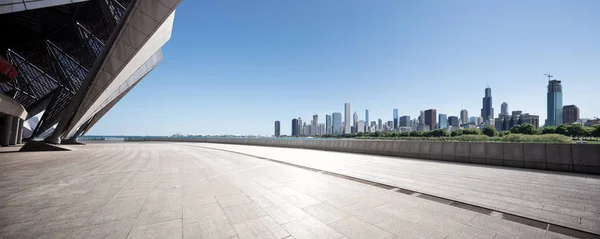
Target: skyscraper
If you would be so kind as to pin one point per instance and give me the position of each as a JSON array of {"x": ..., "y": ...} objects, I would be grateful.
[
  {"x": 355, "y": 120},
  {"x": 360, "y": 126},
  {"x": 487, "y": 112},
  {"x": 431, "y": 118},
  {"x": 504, "y": 109},
  {"x": 421, "y": 124},
  {"x": 442, "y": 123},
  {"x": 328, "y": 125},
  {"x": 570, "y": 114},
  {"x": 404, "y": 121},
  {"x": 379, "y": 124},
  {"x": 395, "y": 118},
  {"x": 554, "y": 108},
  {"x": 453, "y": 121},
  {"x": 347, "y": 120},
  {"x": 300, "y": 127},
  {"x": 366, "y": 120},
  {"x": 337, "y": 123},
  {"x": 277, "y": 128},
  {"x": 295, "y": 128},
  {"x": 464, "y": 116}
]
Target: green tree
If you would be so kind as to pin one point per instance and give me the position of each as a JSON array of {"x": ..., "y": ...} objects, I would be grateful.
[
  {"x": 503, "y": 133},
  {"x": 394, "y": 134},
  {"x": 473, "y": 131},
  {"x": 490, "y": 131},
  {"x": 596, "y": 131},
  {"x": 524, "y": 129},
  {"x": 439, "y": 133},
  {"x": 576, "y": 130},
  {"x": 548, "y": 130},
  {"x": 562, "y": 129},
  {"x": 456, "y": 133},
  {"x": 416, "y": 134}
]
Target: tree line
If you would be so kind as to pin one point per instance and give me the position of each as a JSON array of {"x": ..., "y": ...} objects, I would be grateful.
[{"x": 572, "y": 130}]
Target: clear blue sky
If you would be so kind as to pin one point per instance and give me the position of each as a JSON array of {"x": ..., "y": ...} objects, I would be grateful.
[{"x": 233, "y": 67}]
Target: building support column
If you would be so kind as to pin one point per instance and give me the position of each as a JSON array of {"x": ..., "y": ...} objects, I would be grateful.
[
  {"x": 14, "y": 127},
  {"x": 20, "y": 131},
  {"x": 6, "y": 128}
]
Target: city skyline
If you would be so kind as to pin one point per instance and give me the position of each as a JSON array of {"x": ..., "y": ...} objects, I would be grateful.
[
  {"x": 280, "y": 60},
  {"x": 431, "y": 119}
]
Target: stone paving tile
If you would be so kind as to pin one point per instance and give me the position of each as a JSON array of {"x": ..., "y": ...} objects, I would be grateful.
[
  {"x": 407, "y": 229},
  {"x": 309, "y": 227},
  {"x": 326, "y": 213},
  {"x": 284, "y": 213},
  {"x": 162, "y": 230},
  {"x": 353, "y": 227},
  {"x": 209, "y": 229},
  {"x": 118, "y": 210},
  {"x": 154, "y": 212},
  {"x": 118, "y": 229},
  {"x": 260, "y": 228},
  {"x": 54, "y": 231},
  {"x": 233, "y": 200},
  {"x": 268, "y": 200},
  {"x": 202, "y": 213},
  {"x": 244, "y": 212},
  {"x": 507, "y": 228}
]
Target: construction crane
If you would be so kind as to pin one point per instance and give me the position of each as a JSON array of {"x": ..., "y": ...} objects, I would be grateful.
[{"x": 549, "y": 76}]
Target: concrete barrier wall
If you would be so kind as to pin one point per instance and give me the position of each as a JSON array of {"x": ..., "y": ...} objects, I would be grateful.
[{"x": 580, "y": 158}]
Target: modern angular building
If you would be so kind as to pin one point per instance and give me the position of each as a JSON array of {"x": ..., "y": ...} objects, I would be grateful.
[
  {"x": 72, "y": 61},
  {"x": 570, "y": 114},
  {"x": 554, "y": 100},
  {"x": 366, "y": 120}
]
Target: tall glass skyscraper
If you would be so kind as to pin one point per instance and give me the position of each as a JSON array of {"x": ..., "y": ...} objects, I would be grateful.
[
  {"x": 443, "y": 121},
  {"x": 295, "y": 128},
  {"x": 555, "y": 104},
  {"x": 328, "y": 126},
  {"x": 395, "y": 118},
  {"x": 277, "y": 128},
  {"x": 366, "y": 119},
  {"x": 347, "y": 120},
  {"x": 337, "y": 123},
  {"x": 464, "y": 116},
  {"x": 487, "y": 112}
]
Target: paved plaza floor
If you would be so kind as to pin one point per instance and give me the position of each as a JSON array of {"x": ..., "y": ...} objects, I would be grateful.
[{"x": 172, "y": 190}]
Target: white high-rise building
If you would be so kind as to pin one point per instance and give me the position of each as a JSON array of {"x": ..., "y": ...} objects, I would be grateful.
[
  {"x": 360, "y": 126},
  {"x": 347, "y": 120}
]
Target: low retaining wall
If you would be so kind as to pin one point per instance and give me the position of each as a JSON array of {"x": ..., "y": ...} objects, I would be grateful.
[{"x": 579, "y": 158}]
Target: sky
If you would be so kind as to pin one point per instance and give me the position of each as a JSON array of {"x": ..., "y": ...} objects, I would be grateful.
[{"x": 234, "y": 67}]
